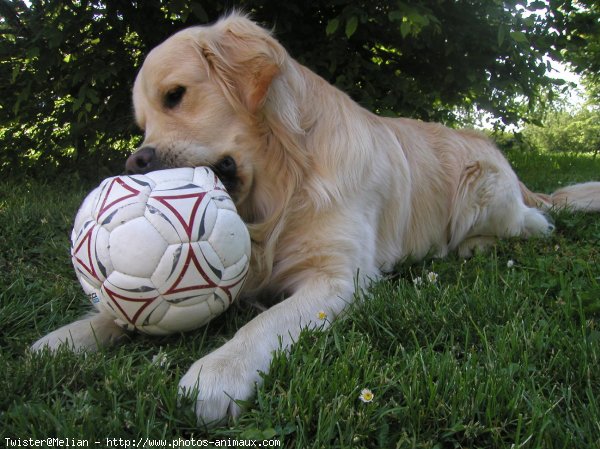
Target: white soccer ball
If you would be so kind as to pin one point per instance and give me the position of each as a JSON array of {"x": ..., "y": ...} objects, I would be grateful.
[{"x": 162, "y": 252}]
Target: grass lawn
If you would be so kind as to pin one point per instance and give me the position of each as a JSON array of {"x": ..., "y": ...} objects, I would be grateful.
[{"x": 501, "y": 351}]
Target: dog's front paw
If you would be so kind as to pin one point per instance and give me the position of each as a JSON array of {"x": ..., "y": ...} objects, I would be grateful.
[
  {"x": 87, "y": 334},
  {"x": 219, "y": 380}
]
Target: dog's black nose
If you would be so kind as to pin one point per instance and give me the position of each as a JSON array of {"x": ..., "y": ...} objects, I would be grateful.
[{"x": 142, "y": 161}]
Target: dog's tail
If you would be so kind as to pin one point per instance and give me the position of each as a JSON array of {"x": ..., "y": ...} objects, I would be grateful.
[{"x": 583, "y": 197}]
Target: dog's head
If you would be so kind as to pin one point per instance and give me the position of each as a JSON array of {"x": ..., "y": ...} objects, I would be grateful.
[{"x": 200, "y": 99}]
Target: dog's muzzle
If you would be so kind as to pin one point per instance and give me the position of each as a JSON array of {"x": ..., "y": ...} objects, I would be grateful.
[{"x": 144, "y": 160}]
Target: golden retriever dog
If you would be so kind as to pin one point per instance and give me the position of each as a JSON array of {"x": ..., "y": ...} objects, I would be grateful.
[{"x": 332, "y": 194}]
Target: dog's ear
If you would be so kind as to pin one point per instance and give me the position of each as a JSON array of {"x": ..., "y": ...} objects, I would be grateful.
[{"x": 244, "y": 58}]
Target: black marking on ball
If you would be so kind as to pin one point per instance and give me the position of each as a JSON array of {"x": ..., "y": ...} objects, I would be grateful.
[
  {"x": 202, "y": 228},
  {"x": 176, "y": 257},
  {"x": 222, "y": 198},
  {"x": 187, "y": 186},
  {"x": 140, "y": 182},
  {"x": 147, "y": 319},
  {"x": 154, "y": 211},
  {"x": 109, "y": 218},
  {"x": 215, "y": 270},
  {"x": 179, "y": 300},
  {"x": 101, "y": 267},
  {"x": 140, "y": 289}
]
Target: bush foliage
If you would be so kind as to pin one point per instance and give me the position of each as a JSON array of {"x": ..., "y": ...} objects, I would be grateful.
[
  {"x": 567, "y": 131},
  {"x": 67, "y": 67}
]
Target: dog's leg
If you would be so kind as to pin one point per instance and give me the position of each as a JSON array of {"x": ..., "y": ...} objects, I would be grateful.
[
  {"x": 489, "y": 203},
  {"x": 475, "y": 245},
  {"x": 87, "y": 334},
  {"x": 231, "y": 372}
]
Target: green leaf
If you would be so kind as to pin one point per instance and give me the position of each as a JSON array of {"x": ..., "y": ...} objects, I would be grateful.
[
  {"x": 537, "y": 5},
  {"x": 519, "y": 36},
  {"x": 501, "y": 35},
  {"x": 77, "y": 103},
  {"x": 405, "y": 28},
  {"x": 351, "y": 26},
  {"x": 269, "y": 433},
  {"x": 15, "y": 73},
  {"x": 93, "y": 96},
  {"x": 252, "y": 434},
  {"x": 332, "y": 26},
  {"x": 418, "y": 19}
]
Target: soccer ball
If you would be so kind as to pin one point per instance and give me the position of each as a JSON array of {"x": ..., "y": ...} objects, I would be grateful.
[{"x": 162, "y": 252}]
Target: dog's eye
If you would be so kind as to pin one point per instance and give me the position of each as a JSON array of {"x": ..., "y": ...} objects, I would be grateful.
[{"x": 174, "y": 97}]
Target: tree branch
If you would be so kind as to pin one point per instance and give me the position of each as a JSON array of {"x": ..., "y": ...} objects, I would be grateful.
[{"x": 11, "y": 17}]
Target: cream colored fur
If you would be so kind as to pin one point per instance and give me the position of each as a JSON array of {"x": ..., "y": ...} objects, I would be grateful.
[{"x": 333, "y": 195}]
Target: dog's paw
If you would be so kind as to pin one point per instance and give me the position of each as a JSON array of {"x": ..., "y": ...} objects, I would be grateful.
[
  {"x": 218, "y": 382},
  {"x": 86, "y": 334},
  {"x": 53, "y": 341}
]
